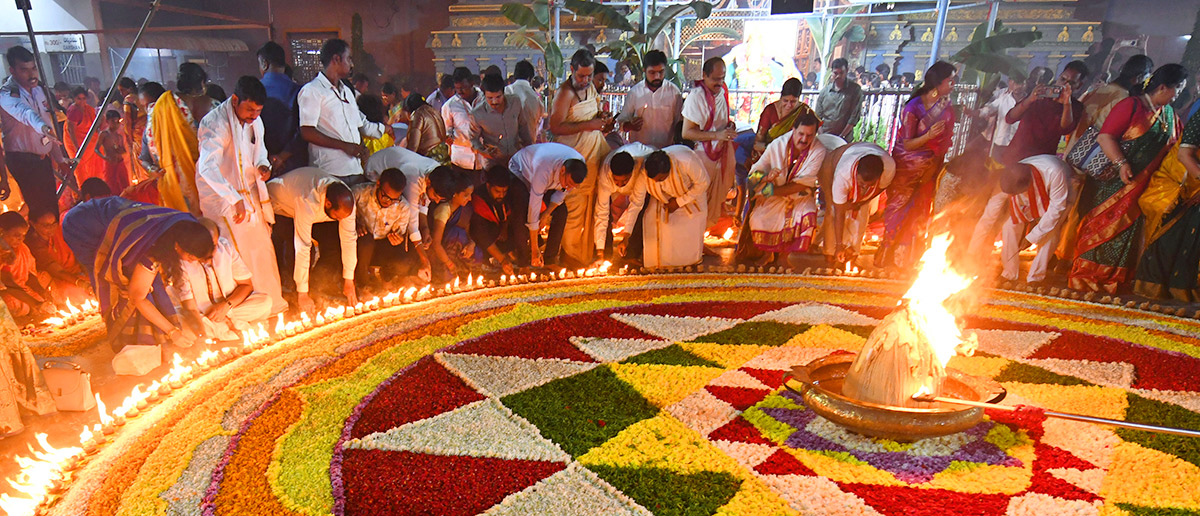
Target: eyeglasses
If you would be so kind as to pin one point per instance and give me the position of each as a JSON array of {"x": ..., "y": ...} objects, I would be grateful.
[{"x": 383, "y": 194}]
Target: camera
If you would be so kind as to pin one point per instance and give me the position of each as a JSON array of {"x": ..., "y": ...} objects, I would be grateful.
[{"x": 1052, "y": 92}]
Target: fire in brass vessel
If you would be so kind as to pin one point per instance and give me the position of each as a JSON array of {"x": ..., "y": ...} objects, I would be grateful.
[{"x": 821, "y": 388}]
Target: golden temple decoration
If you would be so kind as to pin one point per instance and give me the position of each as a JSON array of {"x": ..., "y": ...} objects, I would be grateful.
[
  {"x": 895, "y": 34},
  {"x": 569, "y": 41},
  {"x": 1088, "y": 36},
  {"x": 601, "y": 38},
  {"x": 1064, "y": 35},
  {"x": 456, "y": 43},
  {"x": 481, "y": 42},
  {"x": 437, "y": 42},
  {"x": 952, "y": 35},
  {"x": 928, "y": 35}
]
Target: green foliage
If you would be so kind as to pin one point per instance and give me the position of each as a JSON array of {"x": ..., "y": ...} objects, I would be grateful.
[
  {"x": 989, "y": 54},
  {"x": 666, "y": 493},
  {"x": 1142, "y": 410},
  {"x": 1137, "y": 510},
  {"x": 1024, "y": 373},
  {"x": 840, "y": 27},
  {"x": 582, "y": 411},
  {"x": 765, "y": 333},
  {"x": 671, "y": 355}
]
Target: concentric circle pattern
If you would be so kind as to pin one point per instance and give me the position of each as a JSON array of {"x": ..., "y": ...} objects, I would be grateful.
[{"x": 655, "y": 395}]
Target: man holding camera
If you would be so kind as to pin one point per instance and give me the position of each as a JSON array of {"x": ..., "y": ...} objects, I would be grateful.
[{"x": 1046, "y": 115}]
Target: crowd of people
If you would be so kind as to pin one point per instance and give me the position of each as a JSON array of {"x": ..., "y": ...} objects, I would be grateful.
[{"x": 361, "y": 193}]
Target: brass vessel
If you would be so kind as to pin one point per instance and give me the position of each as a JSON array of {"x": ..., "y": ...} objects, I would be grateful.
[{"x": 821, "y": 388}]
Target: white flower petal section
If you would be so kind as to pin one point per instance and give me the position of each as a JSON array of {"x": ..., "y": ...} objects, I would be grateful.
[
  {"x": 816, "y": 313},
  {"x": 784, "y": 358},
  {"x": 616, "y": 350},
  {"x": 1088, "y": 480},
  {"x": 1108, "y": 374},
  {"x": 1013, "y": 344},
  {"x": 574, "y": 491},
  {"x": 501, "y": 376},
  {"x": 1089, "y": 442},
  {"x": 1185, "y": 399},
  {"x": 676, "y": 328},
  {"x": 702, "y": 412},
  {"x": 484, "y": 428},
  {"x": 738, "y": 378},
  {"x": 817, "y": 496},
  {"x": 749, "y": 455},
  {"x": 1038, "y": 504}
]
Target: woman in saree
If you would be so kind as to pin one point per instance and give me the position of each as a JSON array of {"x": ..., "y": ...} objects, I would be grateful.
[
  {"x": 79, "y": 120},
  {"x": 131, "y": 251},
  {"x": 925, "y": 135},
  {"x": 22, "y": 388},
  {"x": 172, "y": 137},
  {"x": 426, "y": 130},
  {"x": 775, "y": 120},
  {"x": 1168, "y": 268},
  {"x": 1135, "y": 137},
  {"x": 449, "y": 224}
]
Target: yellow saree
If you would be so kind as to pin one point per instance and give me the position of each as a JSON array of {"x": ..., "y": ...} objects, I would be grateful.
[
  {"x": 178, "y": 149},
  {"x": 1169, "y": 184}
]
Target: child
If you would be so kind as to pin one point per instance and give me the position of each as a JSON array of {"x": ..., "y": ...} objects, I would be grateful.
[
  {"x": 26, "y": 290},
  {"x": 111, "y": 147},
  {"x": 54, "y": 258}
]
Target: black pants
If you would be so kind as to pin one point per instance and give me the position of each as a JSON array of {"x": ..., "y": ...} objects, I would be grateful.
[
  {"x": 518, "y": 231},
  {"x": 326, "y": 247},
  {"x": 484, "y": 233},
  {"x": 394, "y": 261},
  {"x": 635, "y": 245},
  {"x": 35, "y": 175}
]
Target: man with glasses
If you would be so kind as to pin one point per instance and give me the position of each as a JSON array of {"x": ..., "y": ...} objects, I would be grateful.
[
  {"x": 329, "y": 117},
  {"x": 388, "y": 233}
]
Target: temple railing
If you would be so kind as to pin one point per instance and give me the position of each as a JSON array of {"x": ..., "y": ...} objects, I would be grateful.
[{"x": 879, "y": 120}]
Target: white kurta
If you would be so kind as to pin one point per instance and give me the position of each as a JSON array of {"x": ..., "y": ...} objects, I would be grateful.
[
  {"x": 300, "y": 194},
  {"x": 676, "y": 239},
  {"x": 227, "y": 173},
  {"x": 456, "y": 112},
  {"x": 1055, "y": 177},
  {"x": 212, "y": 283},
  {"x": 720, "y": 171},
  {"x": 659, "y": 110},
  {"x": 416, "y": 169},
  {"x": 786, "y": 223},
  {"x": 844, "y": 190},
  {"x": 635, "y": 190}
]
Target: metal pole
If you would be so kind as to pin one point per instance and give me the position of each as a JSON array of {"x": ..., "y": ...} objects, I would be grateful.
[
  {"x": 557, "y": 5},
  {"x": 942, "y": 7},
  {"x": 678, "y": 28},
  {"x": 51, "y": 100},
  {"x": 993, "y": 11},
  {"x": 826, "y": 50},
  {"x": 642, "y": 16},
  {"x": 1066, "y": 415},
  {"x": 113, "y": 89}
]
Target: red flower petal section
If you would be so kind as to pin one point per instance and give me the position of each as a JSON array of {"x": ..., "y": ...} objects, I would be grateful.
[
  {"x": 550, "y": 338},
  {"x": 425, "y": 390},
  {"x": 738, "y": 431},
  {"x": 1050, "y": 457},
  {"x": 908, "y": 501},
  {"x": 741, "y": 398},
  {"x": 396, "y": 483},
  {"x": 1155, "y": 369},
  {"x": 725, "y": 309},
  {"x": 773, "y": 379},
  {"x": 783, "y": 463}
]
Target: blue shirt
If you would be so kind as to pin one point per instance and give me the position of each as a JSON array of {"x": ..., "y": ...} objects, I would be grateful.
[{"x": 281, "y": 122}]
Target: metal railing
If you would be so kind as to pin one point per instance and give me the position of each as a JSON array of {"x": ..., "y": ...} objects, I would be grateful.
[{"x": 878, "y": 122}]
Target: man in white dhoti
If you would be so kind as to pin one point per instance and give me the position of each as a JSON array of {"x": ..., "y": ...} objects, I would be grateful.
[
  {"x": 230, "y": 175},
  {"x": 1035, "y": 191},
  {"x": 707, "y": 121},
  {"x": 576, "y": 120},
  {"x": 677, "y": 209},
  {"x": 850, "y": 182},
  {"x": 218, "y": 296},
  {"x": 783, "y": 216},
  {"x": 622, "y": 178}
]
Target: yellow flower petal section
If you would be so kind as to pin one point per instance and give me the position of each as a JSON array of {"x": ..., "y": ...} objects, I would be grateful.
[
  {"x": 987, "y": 367},
  {"x": 1080, "y": 399},
  {"x": 664, "y": 385},
  {"x": 756, "y": 498},
  {"x": 728, "y": 355},
  {"x": 663, "y": 442},
  {"x": 825, "y": 336},
  {"x": 857, "y": 471},
  {"x": 1150, "y": 478},
  {"x": 984, "y": 478}
]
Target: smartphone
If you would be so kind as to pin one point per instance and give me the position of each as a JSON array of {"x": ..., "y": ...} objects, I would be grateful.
[{"x": 1052, "y": 92}]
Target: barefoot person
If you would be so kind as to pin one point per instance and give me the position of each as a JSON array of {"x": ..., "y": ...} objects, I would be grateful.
[
  {"x": 622, "y": 178},
  {"x": 851, "y": 180},
  {"x": 676, "y": 212},
  {"x": 706, "y": 121}
]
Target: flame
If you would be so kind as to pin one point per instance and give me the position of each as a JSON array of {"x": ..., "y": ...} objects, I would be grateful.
[
  {"x": 470, "y": 280},
  {"x": 408, "y": 294},
  {"x": 562, "y": 273},
  {"x": 207, "y": 358},
  {"x": 604, "y": 267},
  {"x": 37, "y": 477},
  {"x": 74, "y": 311},
  {"x": 54, "y": 321},
  {"x": 424, "y": 290},
  {"x": 86, "y": 435},
  {"x": 728, "y": 234},
  {"x": 320, "y": 320},
  {"x": 279, "y": 325},
  {"x": 936, "y": 282},
  {"x": 100, "y": 408},
  {"x": 512, "y": 279},
  {"x": 178, "y": 370},
  {"x": 456, "y": 283}
]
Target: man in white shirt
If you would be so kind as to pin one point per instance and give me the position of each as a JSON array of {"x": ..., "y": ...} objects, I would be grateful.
[
  {"x": 676, "y": 212},
  {"x": 230, "y": 178},
  {"x": 652, "y": 106},
  {"x": 707, "y": 121},
  {"x": 850, "y": 182},
  {"x": 329, "y": 117},
  {"x": 301, "y": 199},
  {"x": 1035, "y": 191},
  {"x": 783, "y": 214},
  {"x": 28, "y": 131},
  {"x": 389, "y": 233},
  {"x": 1001, "y": 131},
  {"x": 544, "y": 172},
  {"x": 457, "y": 114},
  {"x": 218, "y": 296},
  {"x": 622, "y": 177},
  {"x": 445, "y": 90},
  {"x": 530, "y": 100},
  {"x": 416, "y": 169}
]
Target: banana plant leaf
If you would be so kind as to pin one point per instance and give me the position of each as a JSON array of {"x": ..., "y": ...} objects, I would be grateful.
[
  {"x": 997, "y": 63},
  {"x": 667, "y": 16},
  {"x": 709, "y": 31},
  {"x": 997, "y": 44},
  {"x": 602, "y": 14},
  {"x": 554, "y": 59},
  {"x": 522, "y": 37},
  {"x": 523, "y": 16},
  {"x": 855, "y": 34}
]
